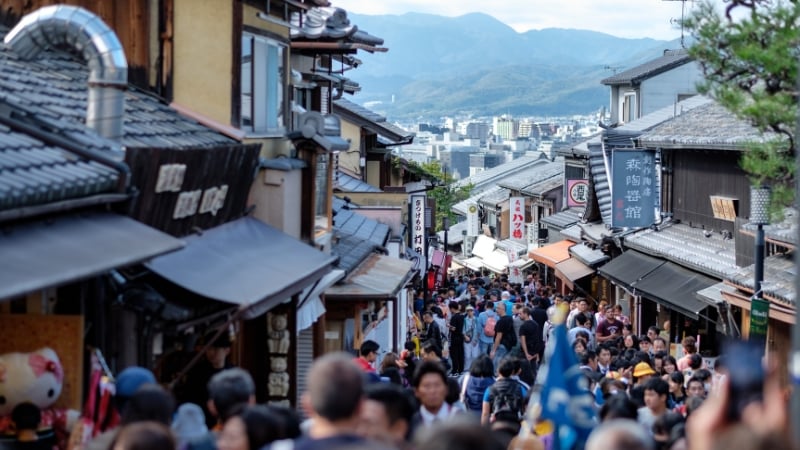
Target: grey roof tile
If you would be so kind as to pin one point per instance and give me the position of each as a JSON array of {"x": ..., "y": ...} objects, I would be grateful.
[
  {"x": 779, "y": 274},
  {"x": 346, "y": 183},
  {"x": 784, "y": 232},
  {"x": 670, "y": 59},
  {"x": 490, "y": 177},
  {"x": 564, "y": 218},
  {"x": 372, "y": 121},
  {"x": 709, "y": 126},
  {"x": 689, "y": 247}
]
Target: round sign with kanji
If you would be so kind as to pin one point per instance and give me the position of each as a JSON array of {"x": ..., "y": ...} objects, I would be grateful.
[{"x": 577, "y": 192}]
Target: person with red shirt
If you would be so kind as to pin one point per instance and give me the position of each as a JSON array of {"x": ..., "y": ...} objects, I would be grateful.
[{"x": 368, "y": 354}]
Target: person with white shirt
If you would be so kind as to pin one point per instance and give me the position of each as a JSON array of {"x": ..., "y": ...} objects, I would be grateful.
[{"x": 430, "y": 388}]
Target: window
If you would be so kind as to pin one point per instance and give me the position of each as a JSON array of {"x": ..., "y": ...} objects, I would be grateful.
[
  {"x": 262, "y": 84},
  {"x": 629, "y": 107}
]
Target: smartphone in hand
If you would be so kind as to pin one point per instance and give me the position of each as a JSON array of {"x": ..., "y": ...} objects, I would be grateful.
[{"x": 745, "y": 374}]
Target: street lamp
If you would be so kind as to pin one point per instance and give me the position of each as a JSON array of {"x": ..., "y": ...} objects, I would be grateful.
[{"x": 759, "y": 308}]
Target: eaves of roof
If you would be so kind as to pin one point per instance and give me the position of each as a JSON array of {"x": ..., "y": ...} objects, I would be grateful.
[
  {"x": 669, "y": 60},
  {"x": 373, "y": 122}
]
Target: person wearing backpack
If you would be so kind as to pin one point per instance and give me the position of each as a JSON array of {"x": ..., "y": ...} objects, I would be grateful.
[
  {"x": 486, "y": 323},
  {"x": 506, "y": 395},
  {"x": 475, "y": 382}
]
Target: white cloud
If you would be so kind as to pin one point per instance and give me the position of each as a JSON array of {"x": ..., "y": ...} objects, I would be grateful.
[{"x": 623, "y": 18}]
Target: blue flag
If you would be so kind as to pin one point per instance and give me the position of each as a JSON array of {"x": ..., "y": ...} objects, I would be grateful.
[{"x": 565, "y": 397}]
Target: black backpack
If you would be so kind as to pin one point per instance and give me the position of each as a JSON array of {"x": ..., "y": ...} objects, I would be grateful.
[{"x": 507, "y": 398}]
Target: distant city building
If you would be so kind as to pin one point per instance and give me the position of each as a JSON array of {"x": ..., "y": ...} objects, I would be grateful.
[
  {"x": 450, "y": 124},
  {"x": 477, "y": 130},
  {"x": 479, "y": 162},
  {"x": 505, "y": 127},
  {"x": 422, "y": 127},
  {"x": 457, "y": 160}
]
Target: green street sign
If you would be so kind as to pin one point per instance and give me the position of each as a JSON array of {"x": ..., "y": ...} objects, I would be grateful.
[{"x": 759, "y": 318}]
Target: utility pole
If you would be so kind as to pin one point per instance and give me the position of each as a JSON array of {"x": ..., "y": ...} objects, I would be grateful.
[{"x": 794, "y": 355}]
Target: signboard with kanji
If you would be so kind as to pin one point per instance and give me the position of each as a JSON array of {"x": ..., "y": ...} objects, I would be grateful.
[
  {"x": 517, "y": 218},
  {"x": 418, "y": 224},
  {"x": 473, "y": 220},
  {"x": 577, "y": 192},
  {"x": 634, "y": 191}
]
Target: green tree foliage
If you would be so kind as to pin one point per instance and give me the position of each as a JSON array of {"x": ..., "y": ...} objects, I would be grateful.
[
  {"x": 446, "y": 193},
  {"x": 749, "y": 53}
]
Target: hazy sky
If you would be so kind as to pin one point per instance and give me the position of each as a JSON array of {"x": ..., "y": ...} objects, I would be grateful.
[{"x": 622, "y": 18}]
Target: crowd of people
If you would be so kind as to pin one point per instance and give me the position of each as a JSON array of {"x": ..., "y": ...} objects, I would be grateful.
[{"x": 470, "y": 376}]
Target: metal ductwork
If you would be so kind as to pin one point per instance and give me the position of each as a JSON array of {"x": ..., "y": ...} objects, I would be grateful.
[{"x": 75, "y": 28}]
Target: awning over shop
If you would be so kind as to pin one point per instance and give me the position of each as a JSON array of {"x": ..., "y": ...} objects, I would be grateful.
[
  {"x": 629, "y": 267},
  {"x": 377, "y": 278},
  {"x": 675, "y": 287},
  {"x": 552, "y": 254},
  {"x": 522, "y": 263},
  {"x": 311, "y": 307},
  {"x": 74, "y": 247},
  {"x": 587, "y": 255},
  {"x": 246, "y": 263},
  {"x": 497, "y": 261},
  {"x": 713, "y": 294},
  {"x": 572, "y": 270},
  {"x": 473, "y": 263},
  {"x": 484, "y": 245}
]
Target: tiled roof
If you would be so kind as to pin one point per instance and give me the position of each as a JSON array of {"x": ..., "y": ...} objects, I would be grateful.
[
  {"x": 454, "y": 235},
  {"x": 709, "y": 126},
  {"x": 357, "y": 236},
  {"x": 493, "y": 198},
  {"x": 534, "y": 175},
  {"x": 779, "y": 274},
  {"x": 461, "y": 207},
  {"x": 34, "y": 173},
  {"x": 784, "y": 231},
  {"x": 509, "y": 244},
  {"x": 687, "y": 246},
  {"x": 329, "y": 23},
  {"x": 587, "y": 255},
  {"x": 349, "y": 222},
  {"x": 669, "y": 60},
  {"x": 372, "y": 121},
  {"x": 564, "y": 218},
  {"x": 490, "y": 177},
  {"x": 346, "y": 183},
  {"x": 53, "y": 87}
]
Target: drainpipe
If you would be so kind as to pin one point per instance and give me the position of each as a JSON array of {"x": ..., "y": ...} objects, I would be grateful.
[{"x": 85, "y": 33}]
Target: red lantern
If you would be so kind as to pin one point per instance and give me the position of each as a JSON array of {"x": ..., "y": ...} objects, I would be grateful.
[{"x": 431, "y": 279}]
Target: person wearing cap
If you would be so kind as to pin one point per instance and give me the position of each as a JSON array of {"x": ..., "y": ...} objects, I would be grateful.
[{"x": 126, "y": 384}]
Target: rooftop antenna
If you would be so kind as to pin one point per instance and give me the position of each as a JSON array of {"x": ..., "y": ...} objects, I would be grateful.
[{"x": 673, "y": 20}]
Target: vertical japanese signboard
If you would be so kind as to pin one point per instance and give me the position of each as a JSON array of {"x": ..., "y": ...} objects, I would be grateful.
[
  {"x": 473, "y": 220},
  {"x": 633, "y": 191},
  {"x": 517, "y": 218},
  {"x": 418, "y": 223}
]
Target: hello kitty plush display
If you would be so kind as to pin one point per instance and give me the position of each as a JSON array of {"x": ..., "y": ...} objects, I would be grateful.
[{"x": 37, "y": 378}]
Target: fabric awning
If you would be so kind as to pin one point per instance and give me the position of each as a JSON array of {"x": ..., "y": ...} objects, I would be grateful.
[
  {"x": 246, "y": 263},
  {"x": 629, "y": 267},
  {"x": 377, "y": 278},
  {"x": 311, "y": 307},
  {"x": 571, "y": 270},
  {"x": 551, "y": 254},
  {"x": 522, "y": 263},
  {"x": 484, "y": 245},
  {"x": 473, "y": 263},
  {"x": 69, "y": 248},
  {"x": 676, "y": 288},
  {"x": 497, "y": 261}
]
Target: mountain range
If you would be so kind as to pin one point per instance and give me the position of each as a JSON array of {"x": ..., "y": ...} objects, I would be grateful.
[{"x": 476, "y": 65}]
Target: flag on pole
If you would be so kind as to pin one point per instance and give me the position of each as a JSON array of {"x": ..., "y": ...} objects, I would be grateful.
[{"x": 565, "y": 399}]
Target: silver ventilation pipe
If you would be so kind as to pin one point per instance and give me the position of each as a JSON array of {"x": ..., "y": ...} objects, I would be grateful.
[{"x": 73, "y": 27}]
